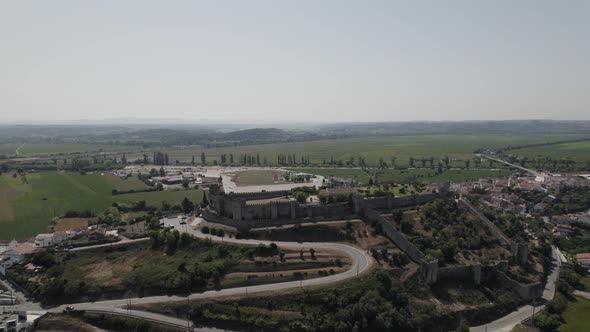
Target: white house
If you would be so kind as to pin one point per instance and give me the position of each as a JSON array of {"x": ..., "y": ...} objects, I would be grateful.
[
  {"x": 7, "y": 245},
  {"x": 15, "y": 256},
  {"x": 51, "y": 239},
  {"x": 44, "y": 240}
]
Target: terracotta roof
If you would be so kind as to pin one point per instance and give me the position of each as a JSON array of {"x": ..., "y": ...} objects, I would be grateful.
[{"x": 583, "y": 257}]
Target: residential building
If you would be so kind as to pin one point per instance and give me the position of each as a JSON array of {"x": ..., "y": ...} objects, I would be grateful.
[
  {"x": 8, "y": 323},
  {"x": 583, "y": 260}
]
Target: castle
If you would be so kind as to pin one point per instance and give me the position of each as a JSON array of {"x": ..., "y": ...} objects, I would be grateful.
[{"x": 274, "y": 208}]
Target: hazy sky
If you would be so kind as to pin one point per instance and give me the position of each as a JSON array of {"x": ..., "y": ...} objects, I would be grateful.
[{"x": 295, "y": 60}]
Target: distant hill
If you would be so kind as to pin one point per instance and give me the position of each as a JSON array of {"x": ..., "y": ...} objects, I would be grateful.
[{"x": 218, "y": 136}]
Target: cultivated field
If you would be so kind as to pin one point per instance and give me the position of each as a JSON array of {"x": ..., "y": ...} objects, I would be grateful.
[
  {"x": 30, "y": 150},
  {"x": 131, "y": 183},
  {"x": 372, "y": 148},
  {"x": 27, "y": 205},
  {"x": 578, "y": 151}
]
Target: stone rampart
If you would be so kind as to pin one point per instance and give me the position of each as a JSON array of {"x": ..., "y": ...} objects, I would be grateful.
[{"x": 525, "y": 291}]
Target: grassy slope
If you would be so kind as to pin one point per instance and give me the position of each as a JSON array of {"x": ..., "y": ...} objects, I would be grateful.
[
  {"x": 372, "y": 148},
  {"x": 50, "y": 194},
  {"x": 576, "y": 316}
]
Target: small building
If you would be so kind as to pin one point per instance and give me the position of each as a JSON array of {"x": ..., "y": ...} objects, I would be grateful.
[
  {"x": 8, "y": 322},
  {"x": 97, "y": 234},
  {"x": 51, "y": 239},
  {"x": 7, "y": 245},
  {"x": 583, "y": 260},
  {"x": 15, "y": 256},
  {"x": 562, "y": 230},
  {"x": 172, "y": 180},
  {"x": 44, "y": 240}
]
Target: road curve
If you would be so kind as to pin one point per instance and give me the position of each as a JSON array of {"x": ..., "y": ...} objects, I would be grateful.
[{"x": 361, "y": 262}]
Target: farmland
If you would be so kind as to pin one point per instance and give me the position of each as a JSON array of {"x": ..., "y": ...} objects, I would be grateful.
[
  {"x": 578, "y": 151},
  {"x": 30, "y": 150},
  {"x": 407, "y": 175},
  {"x": 27, "y": 205},
  {"x": 457, "y": 147}
]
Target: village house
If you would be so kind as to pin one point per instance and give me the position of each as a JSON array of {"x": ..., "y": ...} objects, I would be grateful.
[
  {"x": 8, "y": 322},
  {"x": 583, "y": 260},
  {"x": 562, "y": 230},
  {"x": 51, "y": 239},
  {"x": 7, "y": 245},
  {"x": 14, "y": 256}
]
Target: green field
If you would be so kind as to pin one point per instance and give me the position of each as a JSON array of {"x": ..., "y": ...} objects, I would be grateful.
[
  {"x": 576, "y": 316},
  {"x": 423, "y": 175},
  {"x": 372, "y": 148},
  {"x": 155, "y": 198},
  {"x": 131, "y": 183},
  {"x": 578, "y": 151},
  {"x": 26, "y": 208},
  {"x": 30, "y": 150}
]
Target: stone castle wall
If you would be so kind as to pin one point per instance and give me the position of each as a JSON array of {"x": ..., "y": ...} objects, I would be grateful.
[{"x": 520, "y": 251}]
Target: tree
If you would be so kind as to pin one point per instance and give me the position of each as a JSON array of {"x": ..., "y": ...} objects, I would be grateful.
[
  {"x": 203, "y": 158},
  {"x": 312, "y": 253},
  {"x": 124, "y": 160},
  {"x": 463, "y": 326},
  {"x": 187, "y": 206},
  {"x": 185, "y": 183},
  {"x": 301, "y": 197}
]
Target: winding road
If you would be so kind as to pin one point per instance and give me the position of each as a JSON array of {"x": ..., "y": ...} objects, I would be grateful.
[{"x": 361, "y": 262}]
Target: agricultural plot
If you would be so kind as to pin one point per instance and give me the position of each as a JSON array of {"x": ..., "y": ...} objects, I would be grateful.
[
  {"x": 456, "y": 147},
  {"x": 64, "y": 224},
  {"x": 131, "y": 183},
  {"x": 30, "y": 150},
  {"x": 578, "y": 151},
  {"x": 27, "y": 205}
]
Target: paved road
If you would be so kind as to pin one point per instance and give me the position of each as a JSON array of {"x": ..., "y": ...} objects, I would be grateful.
[
  {"x": 508, "y": 322},
  {"x": 585, "y": 295},
  {"x": 114, "y": 244},
  {"x": 511, "y": 165}
]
